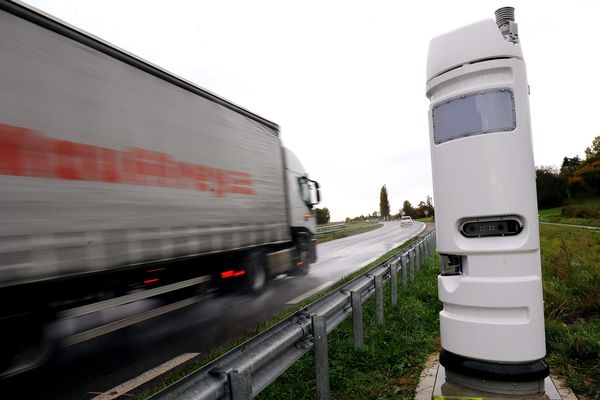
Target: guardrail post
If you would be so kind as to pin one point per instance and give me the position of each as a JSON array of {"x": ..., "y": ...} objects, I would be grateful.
[
  {"x": 319, "y": 330},
  {"x": 239, "y": 385},
  {"x": 412, "y": 259},
  {"x": 357, "y": 320},
  {"x": 379, "y": 299},
  {"x": 404, "y": 266},
  {"x": 417, "y": 257},
  {"x": 394, "y": 278}
]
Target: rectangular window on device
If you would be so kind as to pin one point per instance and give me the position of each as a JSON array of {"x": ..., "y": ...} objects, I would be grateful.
[{"x": 474, "y": 114}]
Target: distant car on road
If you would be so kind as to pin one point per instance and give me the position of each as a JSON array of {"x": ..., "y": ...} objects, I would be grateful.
[{"x": 406, "y": 221}]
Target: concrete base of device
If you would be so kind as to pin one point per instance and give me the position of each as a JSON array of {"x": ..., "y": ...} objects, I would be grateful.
[{"x": 449, "y": 389}]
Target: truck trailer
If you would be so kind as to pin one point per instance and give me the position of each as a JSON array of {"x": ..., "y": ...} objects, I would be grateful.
[{"x": 120, "y": 181}]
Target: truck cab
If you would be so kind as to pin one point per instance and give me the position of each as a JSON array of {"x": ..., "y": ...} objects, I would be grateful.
[{"x": 303, "y": 195}]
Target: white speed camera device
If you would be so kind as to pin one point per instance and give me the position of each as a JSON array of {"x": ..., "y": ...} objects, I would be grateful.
[{"x": 492, "y": 323}]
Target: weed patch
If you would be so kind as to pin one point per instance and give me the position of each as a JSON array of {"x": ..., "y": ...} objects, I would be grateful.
[{"x": 571, "y": 270}]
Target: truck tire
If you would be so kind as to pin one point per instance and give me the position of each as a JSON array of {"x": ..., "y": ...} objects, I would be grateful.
[
  {"x": 256, "y": 273},
  {"x": 302, "y": 263}
]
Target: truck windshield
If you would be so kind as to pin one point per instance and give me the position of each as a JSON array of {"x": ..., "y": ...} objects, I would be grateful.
[{"x": 474, "y": 114}]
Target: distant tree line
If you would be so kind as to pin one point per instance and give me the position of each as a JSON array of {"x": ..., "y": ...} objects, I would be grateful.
[
  {"x": 423, "y": 209},
  {"x": 576, "y": 178}
]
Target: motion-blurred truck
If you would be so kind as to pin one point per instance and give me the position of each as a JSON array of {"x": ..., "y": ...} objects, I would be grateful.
[{"x": 120, "y": 180}]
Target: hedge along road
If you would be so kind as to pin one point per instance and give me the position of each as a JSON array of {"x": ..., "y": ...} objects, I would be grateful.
[{"x": 97, "y": 366}]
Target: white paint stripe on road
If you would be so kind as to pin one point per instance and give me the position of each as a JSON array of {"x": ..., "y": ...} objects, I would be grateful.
[
  {"x": 123, "y": 388},
  {"x": 311, "y": 292},
  {"x": 125, "y": 322}
]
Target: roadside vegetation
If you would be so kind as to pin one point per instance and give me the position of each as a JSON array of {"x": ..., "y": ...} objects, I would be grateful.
[
  {"x": 426, "y": 219},
  {"x": 578, "y": 211},
  {"x": 571, "y": 272},
  {"x": 571, "y": 195}
]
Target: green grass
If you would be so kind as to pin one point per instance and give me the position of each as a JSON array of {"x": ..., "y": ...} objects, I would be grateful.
[
  {"x": 350, "y": 230},
  {"x": 428, "y": 219},
  {"x": 550, "y": 214},
  {"x": 571, "y": 272},
  {"x": 390, "y": 364},
  {"x": 579, "y": 211}
]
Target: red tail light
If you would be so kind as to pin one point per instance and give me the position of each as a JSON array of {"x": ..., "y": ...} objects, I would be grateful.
[{"x": 232, "y": 274}]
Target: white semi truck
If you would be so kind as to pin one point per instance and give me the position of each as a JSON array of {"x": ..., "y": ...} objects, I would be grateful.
[{"x": 119, "y": 180}]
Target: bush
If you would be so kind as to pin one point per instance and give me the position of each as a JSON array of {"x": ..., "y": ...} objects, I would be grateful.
[
  {"x": 550, "y": 186},
  {"x": 590, "y": 175},
  {"x": 576, "y": 211}
]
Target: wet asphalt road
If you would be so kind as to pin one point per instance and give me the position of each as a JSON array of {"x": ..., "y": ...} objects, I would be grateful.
[{"x": 84, "y": 370}]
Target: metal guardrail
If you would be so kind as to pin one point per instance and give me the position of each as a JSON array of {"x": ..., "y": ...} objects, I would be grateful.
[
  {"x": 325, "y": 228},
  {"x": 246, "y": 370},
  {"x": 346, "y": 229}
]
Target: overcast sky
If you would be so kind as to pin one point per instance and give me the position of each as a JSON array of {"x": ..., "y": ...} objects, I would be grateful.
[{"x": 345, "y": 80}]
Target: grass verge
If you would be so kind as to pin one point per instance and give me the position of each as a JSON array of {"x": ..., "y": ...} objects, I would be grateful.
[
  {"x": 345, "y": 232},
  {"x": 427, "y": 219},
  {"x": 581, "y": 211},
  {"x": 571, "y": 271},
  {"x": 282, "y": 315},
  {"x": 394, "y": 354}
]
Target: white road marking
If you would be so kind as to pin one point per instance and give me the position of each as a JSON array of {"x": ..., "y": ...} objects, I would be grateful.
[
  {"x": 311, "y": 292},
  {"x": 123, "y": 388},
  {"x": 125, "y": 322}
]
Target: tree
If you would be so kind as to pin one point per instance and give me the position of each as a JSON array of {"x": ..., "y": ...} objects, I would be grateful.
[
  {"x": 384, "y": 204},
  {"x": 569, "y": 166},
  {"x": 322, "y": 215},
  {"x": 583, "y": 176},
  {"x": 568, "y": 169},
  {"x": 424, "y": 209},
  {"x": 429, "y": 203},
  {"x": 589, "y": 174},
  {"x": 408, "y": 209},
  {"x": 551, "y": 187},
  {"x": 592, "y": 153}
]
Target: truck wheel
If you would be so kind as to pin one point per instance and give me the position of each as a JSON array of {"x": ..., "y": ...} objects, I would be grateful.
[
  {"x": 256, "y": 273},
  {"x": 302, "y": 263}
]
